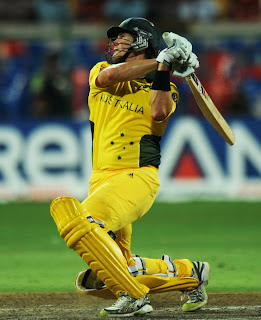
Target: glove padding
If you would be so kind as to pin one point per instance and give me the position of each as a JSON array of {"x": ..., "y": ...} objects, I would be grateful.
[
  {"x": 184, "y": 70},
  {"x": 182, "y": 47},
  {"x": 187, "y": 62},
  {"x": 179, "y": 51},
  {"x": 192, "y": 61},
  {"x": 181, "y": 71}
]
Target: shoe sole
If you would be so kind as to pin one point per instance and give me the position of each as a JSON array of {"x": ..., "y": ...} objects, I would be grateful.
[
  {"x": 195, "y": 307},
  {"x": 142, "y": 311}
]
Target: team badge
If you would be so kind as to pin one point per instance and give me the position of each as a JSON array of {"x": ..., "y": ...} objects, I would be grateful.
[{"x": 174, "y": 97}]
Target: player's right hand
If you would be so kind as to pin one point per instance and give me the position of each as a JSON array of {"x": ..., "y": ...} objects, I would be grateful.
[{"x": 164, "y": 57}]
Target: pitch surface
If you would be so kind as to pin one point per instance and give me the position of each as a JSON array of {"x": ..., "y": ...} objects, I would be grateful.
[{"x": 68, "y": 306}]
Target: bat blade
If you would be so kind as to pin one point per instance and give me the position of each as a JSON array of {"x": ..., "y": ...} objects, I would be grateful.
[
  {"x": 209, "y": 110},
  {"x": 203, "y": 100}
]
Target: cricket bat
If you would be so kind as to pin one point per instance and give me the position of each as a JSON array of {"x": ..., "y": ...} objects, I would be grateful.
[{"x": 204, "y": 102}]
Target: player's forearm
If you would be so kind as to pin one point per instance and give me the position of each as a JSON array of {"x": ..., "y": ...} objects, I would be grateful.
[
  {"x": 160, "y": 101},
  {"x": 126, "y": 71},
  {"x": 161, "y": 104}
]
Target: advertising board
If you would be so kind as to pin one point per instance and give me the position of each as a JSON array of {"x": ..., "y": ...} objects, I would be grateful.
[{"x": 43, "y": 160}]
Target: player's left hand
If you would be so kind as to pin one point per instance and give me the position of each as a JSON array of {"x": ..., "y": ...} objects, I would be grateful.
[
  {"x": 181, "y": 47},
  {"x": 169, "y": 55},
  {"x": 180, "y": 51}
]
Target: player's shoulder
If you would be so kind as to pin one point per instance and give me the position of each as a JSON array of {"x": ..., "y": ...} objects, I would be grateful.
[
  {"x": 100, "y": 65},
  {"x": 95, "y": 71}
]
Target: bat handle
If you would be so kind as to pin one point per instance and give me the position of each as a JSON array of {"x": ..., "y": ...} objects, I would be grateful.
[{"x": 169, "y": 39}]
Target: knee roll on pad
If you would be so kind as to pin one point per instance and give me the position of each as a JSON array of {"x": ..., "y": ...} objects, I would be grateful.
[
  {"x": 70, "y": 218},
  {"x": 95, "y": 246}
]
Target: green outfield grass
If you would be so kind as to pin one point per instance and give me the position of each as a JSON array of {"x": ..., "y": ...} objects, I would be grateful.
[{"x": 227, "y": 234}]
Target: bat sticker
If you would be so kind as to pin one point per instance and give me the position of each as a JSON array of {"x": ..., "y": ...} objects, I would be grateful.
[{"x": 200, "y": 87}]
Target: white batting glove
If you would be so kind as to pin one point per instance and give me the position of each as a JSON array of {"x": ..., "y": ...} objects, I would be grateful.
[
  {"x": 164, "y": 57},
  {"x": 179, "y": 51},
  {"x": 168, "y": 55},
  {"x": 184, "y": 70},
  {"x": 182, "y": 46},
  {"x": 186, "y": 62},
  {"x": 181, "y": 71},
  {"x": 192, "y": 61}
]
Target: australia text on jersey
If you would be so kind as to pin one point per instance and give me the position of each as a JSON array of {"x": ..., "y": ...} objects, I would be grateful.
[{"x": 123, "y": 104}]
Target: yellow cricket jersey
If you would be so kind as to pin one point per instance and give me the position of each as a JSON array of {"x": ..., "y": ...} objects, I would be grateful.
[{"x": 124, "y": 134}]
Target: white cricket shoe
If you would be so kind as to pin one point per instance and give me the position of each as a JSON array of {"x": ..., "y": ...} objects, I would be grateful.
[
  {"x": 126, "y": 306},
  {"x": 198, "y": 297}
]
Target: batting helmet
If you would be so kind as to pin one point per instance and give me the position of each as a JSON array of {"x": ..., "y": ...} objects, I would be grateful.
[{"x": 145, "y": 32}]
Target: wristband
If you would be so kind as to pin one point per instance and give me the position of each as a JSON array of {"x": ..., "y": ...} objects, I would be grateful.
[{"x": 161, "y": 81}]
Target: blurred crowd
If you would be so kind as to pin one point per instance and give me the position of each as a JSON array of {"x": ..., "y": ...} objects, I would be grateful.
[
  {"x": 107, "y": 10},
  {"x": 39, "y": 80}
]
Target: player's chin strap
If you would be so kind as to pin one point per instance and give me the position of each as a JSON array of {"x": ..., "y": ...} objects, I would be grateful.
[
  {"x": 108, "y": 54},
  {"x": 123, "y": 58}
]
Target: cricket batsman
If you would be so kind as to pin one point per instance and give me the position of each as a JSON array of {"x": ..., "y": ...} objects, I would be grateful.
[{"x": 131, "y": 99}]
